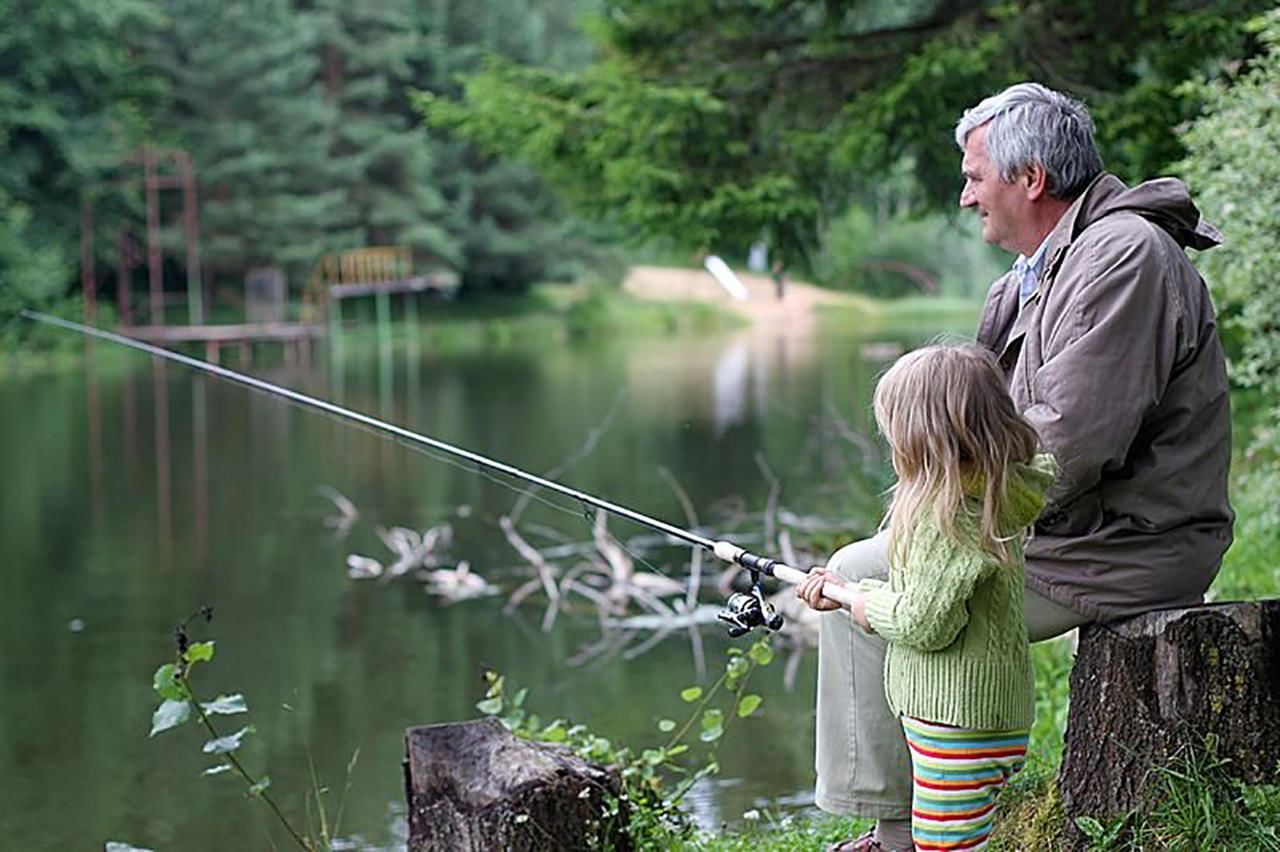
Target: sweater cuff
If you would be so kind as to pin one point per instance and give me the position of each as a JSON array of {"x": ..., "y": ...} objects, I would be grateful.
[{"x": 880, "y": 606}]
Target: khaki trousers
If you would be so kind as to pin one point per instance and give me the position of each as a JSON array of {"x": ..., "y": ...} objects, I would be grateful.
[{"x": 862, "y": 761}]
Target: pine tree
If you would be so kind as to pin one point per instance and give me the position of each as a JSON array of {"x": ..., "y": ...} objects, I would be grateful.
[
  {"x": 248, "y": 101},
  {"x": 73, "y": 99},
  {"x": 369, "y": 55},
  {"x": 512, "y": 229}
]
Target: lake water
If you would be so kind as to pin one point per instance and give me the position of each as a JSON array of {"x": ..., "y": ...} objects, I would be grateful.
[{"x": 129, "y": 498}]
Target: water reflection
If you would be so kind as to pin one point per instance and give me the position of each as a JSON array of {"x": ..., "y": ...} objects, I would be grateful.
[{"x": 129, "y": 500}]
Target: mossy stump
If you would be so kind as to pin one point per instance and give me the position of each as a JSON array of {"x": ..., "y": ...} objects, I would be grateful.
[
  {"x": 1162, "y": 685},
  {"x": 475, "y": 786}
]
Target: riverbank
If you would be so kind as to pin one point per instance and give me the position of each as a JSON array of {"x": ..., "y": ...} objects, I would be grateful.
[{"x": 651, "y": 301}]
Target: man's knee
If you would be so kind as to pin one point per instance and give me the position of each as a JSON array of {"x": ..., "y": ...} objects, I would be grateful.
[
  {"x": 1046, "y": 619},
  {"x": 867, "y": 559}
]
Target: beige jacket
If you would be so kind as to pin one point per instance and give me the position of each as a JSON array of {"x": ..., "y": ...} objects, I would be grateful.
[{"x": 1116, "y": 361}]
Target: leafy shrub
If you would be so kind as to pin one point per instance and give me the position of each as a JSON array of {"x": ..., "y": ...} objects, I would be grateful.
[{"x": 1233, "y": 169}]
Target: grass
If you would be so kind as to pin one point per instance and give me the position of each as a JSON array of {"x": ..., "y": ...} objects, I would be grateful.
[
  {"x": 546, "y": 313},
  {"x": 895, "y": 316}
]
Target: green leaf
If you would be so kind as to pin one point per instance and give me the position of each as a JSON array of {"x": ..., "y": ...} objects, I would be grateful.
[
  {"x": 490, "y": 706},
  {"x": 666, "y": 725},
  {"x": 761, "y": 653},
  {"x": 748, "y": 705},
  {"x": 166, "y": 683},
  {"x": 260, "y": 787},
  {"x": 653, "y": 756},
  {"x": 712, "y": 724},
  {"x": 229, "y": 743},
  {"x": 226, "y": 705},
  {"x": 199, "y": 652},
  {"x": 518, "y": 701},
  {"x": 691, "y": 694},
  {"x": 677, "y": 750},
  {"x": 218, "y": 770},
  {"x": 554, "y": 733},
  {"x": 170, "y": 714},
  {"x": 116, "y": 846},
  {"x": 496, "y": 682}
]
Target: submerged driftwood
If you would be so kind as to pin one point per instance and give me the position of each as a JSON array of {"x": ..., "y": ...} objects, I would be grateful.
[
  {"x": 1151, "y": 689},
  {"x": 476, "y": 786}
]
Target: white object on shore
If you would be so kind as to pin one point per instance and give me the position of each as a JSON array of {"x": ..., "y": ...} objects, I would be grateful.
[{"x": 722, "y": 273}]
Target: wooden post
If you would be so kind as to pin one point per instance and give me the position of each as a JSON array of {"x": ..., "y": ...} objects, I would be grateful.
[
  {"x": 88, "y": 280},
  {"x": 195, "y": 289},
  {"x": 122, "y": 282},
  {"x": 1150, "y": 689},
  {"x": 155, "y": 263}
]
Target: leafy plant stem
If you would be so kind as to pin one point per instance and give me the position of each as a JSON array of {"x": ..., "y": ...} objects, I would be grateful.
[{"x": 239, "y": 767}]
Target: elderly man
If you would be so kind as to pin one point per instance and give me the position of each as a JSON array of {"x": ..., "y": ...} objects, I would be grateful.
[{"x": 1107, "y": 337}]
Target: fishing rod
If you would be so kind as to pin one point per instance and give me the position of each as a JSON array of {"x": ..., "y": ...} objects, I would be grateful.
[{"x": 743, "y": 611}]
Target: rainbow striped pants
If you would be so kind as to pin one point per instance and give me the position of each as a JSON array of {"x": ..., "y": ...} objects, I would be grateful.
[{"x": 956, "y": 774}]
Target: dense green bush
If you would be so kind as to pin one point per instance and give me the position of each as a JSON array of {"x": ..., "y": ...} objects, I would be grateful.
[{"x": 1235, "y": 174}]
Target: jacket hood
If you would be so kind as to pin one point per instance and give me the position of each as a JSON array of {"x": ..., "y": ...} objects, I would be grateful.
[{"x": 1164, "y": 202}]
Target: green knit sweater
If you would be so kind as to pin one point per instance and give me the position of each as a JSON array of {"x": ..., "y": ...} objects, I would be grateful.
[{"x": 958, "y": 651}]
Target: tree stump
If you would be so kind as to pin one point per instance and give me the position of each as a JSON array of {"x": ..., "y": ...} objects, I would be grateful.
[
  {"x": 476, "y": 786},
  {"x": 1162, "y": 684}
]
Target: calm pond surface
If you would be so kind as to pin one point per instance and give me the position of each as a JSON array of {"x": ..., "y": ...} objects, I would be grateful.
[{"x": 129, "y": 498}]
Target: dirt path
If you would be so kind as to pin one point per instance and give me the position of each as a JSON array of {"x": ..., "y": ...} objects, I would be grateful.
[{"x": 794, "y": 313}]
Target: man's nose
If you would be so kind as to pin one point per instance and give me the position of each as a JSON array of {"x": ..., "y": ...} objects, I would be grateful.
[{"x": 966, "y": 197}]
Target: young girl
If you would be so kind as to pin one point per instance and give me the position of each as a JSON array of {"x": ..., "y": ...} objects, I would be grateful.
[{"x": 957, "y": 670}]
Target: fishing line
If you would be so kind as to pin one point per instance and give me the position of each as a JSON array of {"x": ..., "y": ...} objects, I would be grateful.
[{"x": 744, "y": 612}]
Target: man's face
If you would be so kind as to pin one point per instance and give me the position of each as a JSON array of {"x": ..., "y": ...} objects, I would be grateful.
[{"x": 1002, "y": 206}]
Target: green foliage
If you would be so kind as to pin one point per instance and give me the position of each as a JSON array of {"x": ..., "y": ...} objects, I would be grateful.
[
  {"x": 1233, "y": 169},
  {"x": 72, "y": 100},
  {"x": 901, "y": 254},
  {"x": 657, "y": 778},
  {"x": 618, "y": 146},
  {"x": 370, "y": 54},
  {"x": 248, "y": 102},
  {"x": 1250, "y": 570},
  {"x": 173, "y": 683},
  {"x": 715, "y": 123},
  {"x": 1028, "y": 812},
  {"x": 1199, "y": 807}
]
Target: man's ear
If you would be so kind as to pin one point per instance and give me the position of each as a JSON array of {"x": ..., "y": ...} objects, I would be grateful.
[{"x": 1035, "y": 181}]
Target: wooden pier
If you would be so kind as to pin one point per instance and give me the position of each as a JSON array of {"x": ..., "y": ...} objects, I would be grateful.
[{"x": 296, "y": 338}]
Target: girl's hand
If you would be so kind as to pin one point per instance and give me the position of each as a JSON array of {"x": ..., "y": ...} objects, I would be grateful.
[{"x": 809, "y": 589}]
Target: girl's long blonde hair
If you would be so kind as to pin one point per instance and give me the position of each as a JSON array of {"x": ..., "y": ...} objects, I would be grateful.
[{"x": 954, "y": 434}]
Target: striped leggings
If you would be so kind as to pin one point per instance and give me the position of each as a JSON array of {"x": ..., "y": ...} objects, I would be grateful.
[{"x": 956, "y": 773}]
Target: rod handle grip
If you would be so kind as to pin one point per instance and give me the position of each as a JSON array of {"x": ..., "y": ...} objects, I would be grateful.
[{"x": 732, "y": 553}]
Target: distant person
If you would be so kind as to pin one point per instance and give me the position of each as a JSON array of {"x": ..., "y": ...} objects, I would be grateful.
[
  {"x": 1107, "y": 340},
  {"x": 959, "y": 670},
  {"x": 758, "y": 258},
  {"x": 779, "y": 270}
]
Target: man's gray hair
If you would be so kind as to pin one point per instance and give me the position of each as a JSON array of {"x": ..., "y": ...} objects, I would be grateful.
[{"x": 1030, "y": 123}]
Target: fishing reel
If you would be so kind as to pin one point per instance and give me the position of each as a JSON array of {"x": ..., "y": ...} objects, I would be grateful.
[{"x": 745, "y": 611}]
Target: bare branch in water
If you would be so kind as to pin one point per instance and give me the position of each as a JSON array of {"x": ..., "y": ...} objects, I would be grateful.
[
  {"x": 342, "y": 522},
  {"x": 546, "y": 572},
  {"x": 695, "y": 555}
]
